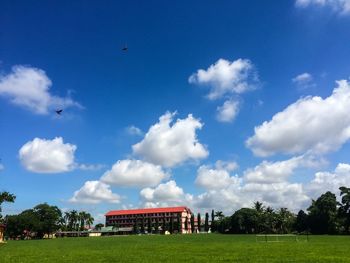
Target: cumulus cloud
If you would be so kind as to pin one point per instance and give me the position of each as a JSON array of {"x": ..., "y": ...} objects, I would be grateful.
[
  {"x": 339, "y": 6},
  {"x": 267, "y": 182},
  {"x": 228, "y": 111},
  {"x": 169, "y": 143},
  {"x": 276, "y": 172},
  {"x": 304, "y": 80},
  {"x": 311, "y": 124},
  {"x": 330, "y": 181},
  {"x": 94, "y": 192},
  {"x": 29, "y": 87},
  {"x": 134, "y": 173},
  {"x": 167, "y": 194},
  {"x": 133, "y": 130},
  {"x": 211, "y": 178},
  {"x": 47, "y": 156},
  {"x": 227, "y": 77}
]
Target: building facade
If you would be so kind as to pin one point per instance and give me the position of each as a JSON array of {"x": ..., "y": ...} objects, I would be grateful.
[{"x": 171, "y": 219}]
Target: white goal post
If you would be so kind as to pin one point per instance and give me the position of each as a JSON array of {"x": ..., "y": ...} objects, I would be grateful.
[{"x": 277, "y": 238}]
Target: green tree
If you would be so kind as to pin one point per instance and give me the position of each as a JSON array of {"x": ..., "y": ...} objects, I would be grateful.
[
  {"x": 206, "y": 222},
  {"x": 244, "y": 221},
  {"x": 344, "y": 210},
  {"x": 323, "y": 214},
  {"x": 99, "y": 226},
  {"x": 301, "y": 222},
  {"x": 49, "y": 217},
  {"x": 259, "y": 208},
  {"x": 6, "y": 197},
  {"x": 199, "y": 222},
  {"x": 285, "y": 221},
  {"x": 192, "y": 223}
]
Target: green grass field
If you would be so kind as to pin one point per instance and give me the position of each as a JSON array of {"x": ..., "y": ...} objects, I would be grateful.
[{"x": 186, "y": 248}]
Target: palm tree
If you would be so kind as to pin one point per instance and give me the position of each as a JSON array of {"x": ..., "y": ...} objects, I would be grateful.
[
  {"x": 259, "y": 207},
  {"x": 219, "y": 215},
  {"x": 89, "y": 220},
  {"x": 73, "y": 219}
]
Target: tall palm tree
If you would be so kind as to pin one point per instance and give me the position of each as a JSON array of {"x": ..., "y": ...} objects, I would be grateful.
[
  {"x": 259, "y": 207},
  {"x": 82, "y": 219},
  {"x": 89, "y": 220},
  {"x": 73, "y": 219}
]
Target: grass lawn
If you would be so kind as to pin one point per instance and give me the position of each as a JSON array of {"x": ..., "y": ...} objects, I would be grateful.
[{"x": 186, "y": 248}]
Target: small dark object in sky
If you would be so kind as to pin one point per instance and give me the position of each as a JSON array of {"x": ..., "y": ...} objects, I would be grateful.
[
  {"x": 125, "y": 48},
  {"x": 59, "y": 112}
]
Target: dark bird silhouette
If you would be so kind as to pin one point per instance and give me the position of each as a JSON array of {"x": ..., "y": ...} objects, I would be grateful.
[
  {"x": 125, "y": 48},
  {"x": 59, "y": 112}
]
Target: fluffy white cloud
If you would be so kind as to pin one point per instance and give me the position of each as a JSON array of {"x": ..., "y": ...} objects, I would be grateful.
[
  {"x": 330, "y": 181},
  {"x": 133, "y": 130},
  {"x": 47, "y": 156},
  {"x": 304, "y": 80},
  {"x": 226, "y": 165},
  {"x": 29, "y": 87},
  {"x": 169, "y": 145},
  {"x": 210, "y": 178},
  {"x": 267, "y": 183},
  {"x": 227, "y": 77},
  {"x": 134, "y": 173},
  {"x": 167, "y": 194},
  {"x": 228, "y": 111},
  {"x": 277, "y": 172},
  {"x": 94, "y": 192},
  {"x": 339, "y": 6},
  {"x": 311, "y": 124}
]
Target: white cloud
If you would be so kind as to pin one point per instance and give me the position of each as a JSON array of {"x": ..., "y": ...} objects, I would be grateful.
[
  {"x": 227, "y": 77},
  {"x": 133, "y": 130},
  {"x": 210, "y": 178},
  {"x": 339, "y": 6},
  {"x": 311, "y": 124},
  {"x": 330, "y": 181},
  {"x": 169, "y": 145},
  {"x": 134, "y": 173},
  {"x": 267, "y": 183},
  {"x": 167, "y": 194},
  {"x": 280, "y": 171},
  {"x": 47, "y": 156},
  {"x": 226, "y": 165},
  {"x": 304, "y": 80},
  {"x": 91, "y": 167},
  {"x": 29, "y": 87},
  {"x": 94, "y": 192},
  {"x": 228, "y": 111}
]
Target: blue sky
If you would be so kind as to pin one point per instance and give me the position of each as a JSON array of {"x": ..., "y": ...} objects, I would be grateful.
[{"x": 213, "y": 73}]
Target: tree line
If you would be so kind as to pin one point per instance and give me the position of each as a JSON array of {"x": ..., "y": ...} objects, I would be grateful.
[
  {"x": 324, "y": 216},
  {"x": 42, "y": 220}
]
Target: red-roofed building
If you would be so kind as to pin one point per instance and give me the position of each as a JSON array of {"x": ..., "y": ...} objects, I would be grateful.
[{"x": 162, "y": 216}]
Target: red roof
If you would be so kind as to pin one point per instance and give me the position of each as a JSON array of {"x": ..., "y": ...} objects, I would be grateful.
[{"x": 147, "y": 211}]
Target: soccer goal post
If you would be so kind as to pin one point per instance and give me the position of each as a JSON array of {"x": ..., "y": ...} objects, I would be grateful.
[{"x": 276, "y": 238}]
